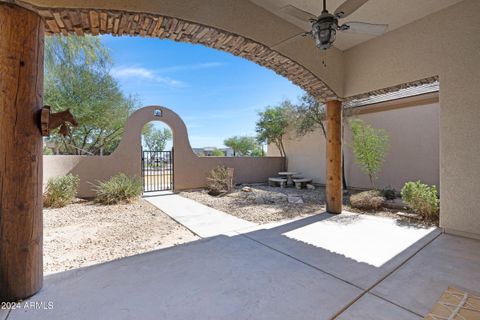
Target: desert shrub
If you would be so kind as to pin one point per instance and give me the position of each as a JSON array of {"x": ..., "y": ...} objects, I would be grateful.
[
  {"x": 120, "y": 188},
  {"x": 422, "y": 199},
  {"x": 389, "y": 193},
  {"x": 219, "y": 181},
  {"x": 367, "y": 200},
  {"x": 60, "y": 191}
]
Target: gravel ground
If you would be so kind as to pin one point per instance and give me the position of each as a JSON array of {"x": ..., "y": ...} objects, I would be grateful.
[
  {"x": 85, "y": 233},
  {"x": 268, "y": 204},
  {"x": 264, "y": 203}
]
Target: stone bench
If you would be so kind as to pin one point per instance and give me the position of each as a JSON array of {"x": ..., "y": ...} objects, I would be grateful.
[
  {"x": 300, "y": 183},
  {"x": 274, "y": 181}
]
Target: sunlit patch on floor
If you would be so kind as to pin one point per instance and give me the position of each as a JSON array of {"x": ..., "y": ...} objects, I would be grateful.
[{"x": 367, "y": 239}]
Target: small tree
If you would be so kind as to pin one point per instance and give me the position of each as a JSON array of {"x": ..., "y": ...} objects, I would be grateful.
[
  {"x": 242, "y": 145},
  {"x": 273, "y": 124},
  {"x": 369, "y": 146},
  {"x": 156, "y": 139}
]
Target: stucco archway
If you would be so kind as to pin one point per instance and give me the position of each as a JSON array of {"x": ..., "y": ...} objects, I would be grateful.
[{"x": 190, "y": 171}]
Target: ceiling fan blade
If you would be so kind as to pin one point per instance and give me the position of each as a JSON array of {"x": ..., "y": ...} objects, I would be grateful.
[
  {"x": 369, "y": 28},
  {"x": 348, "y": 7},
  {"x": 288, "y": 40},
  {"x": 290, "y": 13},
  {"x": 296, "y": 16},
  {"x": 297, "y": 13}
]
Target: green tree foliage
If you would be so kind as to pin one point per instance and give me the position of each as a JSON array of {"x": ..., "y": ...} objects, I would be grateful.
[
  {"x": 257, "y": 152},
  {"x": 218, "y": 153},
  {"x": 309, "y": 115},
  {"x": 243, "y": 145},
  {"x": 369, "y": 146},
  {"x": 156, "y": 139},
  {"x": 77, "y": 77},
  {"x": 273, "y": 124}
]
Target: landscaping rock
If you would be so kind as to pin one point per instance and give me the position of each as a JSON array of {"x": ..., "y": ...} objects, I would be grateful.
[
  {"x": 310, "y": 186},
  {"x": 244, "y": 204},
  {"x": 296, "y": 199},
  {"x": 396, "y": 204},
  {"x": 259, "y": 200},
  {"x": 247, "y": 189},
  {"x": 409, "y": 215}
]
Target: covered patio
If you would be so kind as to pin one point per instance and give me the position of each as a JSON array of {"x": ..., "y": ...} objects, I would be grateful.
[
  {"x": 326, "y": 266},
  {"x": 274, "y": 273}
]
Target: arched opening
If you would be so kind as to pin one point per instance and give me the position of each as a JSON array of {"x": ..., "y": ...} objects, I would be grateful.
[
  {"x": 176, "y": 29},
  {"x": 157, "y": 156},
  {"x": 97, "y": 21}
]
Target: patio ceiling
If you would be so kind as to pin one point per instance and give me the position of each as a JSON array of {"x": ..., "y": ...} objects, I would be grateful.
[{"x": 394, "y": 13}]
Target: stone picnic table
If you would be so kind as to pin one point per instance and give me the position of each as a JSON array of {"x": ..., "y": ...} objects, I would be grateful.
[{"x": 289, "y": 175}]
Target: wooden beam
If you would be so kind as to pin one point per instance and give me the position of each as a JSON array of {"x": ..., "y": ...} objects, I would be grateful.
[
  {"x": 334, "y": 192},
  {"x": 21, "y": 88}
]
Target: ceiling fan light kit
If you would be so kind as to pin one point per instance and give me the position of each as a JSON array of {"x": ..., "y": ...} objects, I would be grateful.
[{"x": 324, "y": 30}]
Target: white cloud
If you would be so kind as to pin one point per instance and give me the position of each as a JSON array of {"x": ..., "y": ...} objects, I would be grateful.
[
  {"x": 198, "y": 66},
  {"x": 144, "y": 74}
]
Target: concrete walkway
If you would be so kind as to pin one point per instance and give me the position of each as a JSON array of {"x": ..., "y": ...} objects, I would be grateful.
[{"x": 198, "y": 218}]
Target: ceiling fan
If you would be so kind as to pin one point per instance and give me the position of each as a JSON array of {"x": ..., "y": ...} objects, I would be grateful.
[{"x": 324, "y": 27}]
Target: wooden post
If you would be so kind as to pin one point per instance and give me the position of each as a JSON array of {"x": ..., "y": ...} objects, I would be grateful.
[
  {"x": 21, "y": 91},
  {"x": 334, "y": 192}
]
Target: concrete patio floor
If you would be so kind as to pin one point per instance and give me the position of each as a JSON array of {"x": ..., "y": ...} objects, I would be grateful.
[{"x": 305, "y": 269}]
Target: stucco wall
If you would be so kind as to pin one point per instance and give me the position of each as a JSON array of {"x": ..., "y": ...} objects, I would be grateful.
[
  {"x": 190, "y": 171},
  {"x": 413, "y": 152},
  {"x": 446, "y": 44}
]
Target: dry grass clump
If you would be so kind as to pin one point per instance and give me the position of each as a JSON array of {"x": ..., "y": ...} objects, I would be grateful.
[
  {"x": 367, "y": 200},
  {"x": 60, "y": 191},
  {"x": 120, "y": 188}
]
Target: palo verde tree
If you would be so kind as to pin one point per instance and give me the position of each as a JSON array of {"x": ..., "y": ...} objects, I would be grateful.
[
  {"x": 77, "y": 77},
  {"x": 369, "y": 147},
  {"x": 243, "y": 145},
  {"x": 156, "y": 139},
  {"x": 273, "y": 125}
]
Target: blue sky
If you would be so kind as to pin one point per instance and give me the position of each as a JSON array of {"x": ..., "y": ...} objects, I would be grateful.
[{"x": 216, "y": 94}]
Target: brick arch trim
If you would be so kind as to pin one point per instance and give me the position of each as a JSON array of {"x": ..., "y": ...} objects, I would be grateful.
[{"x": 119, "y": 23}]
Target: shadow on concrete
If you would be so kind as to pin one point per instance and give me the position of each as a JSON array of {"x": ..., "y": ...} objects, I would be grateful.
[{"x": 259, "y": 274}]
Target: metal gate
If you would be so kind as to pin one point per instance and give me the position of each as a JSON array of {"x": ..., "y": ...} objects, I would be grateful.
[{"x": 157, "y": 170}]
